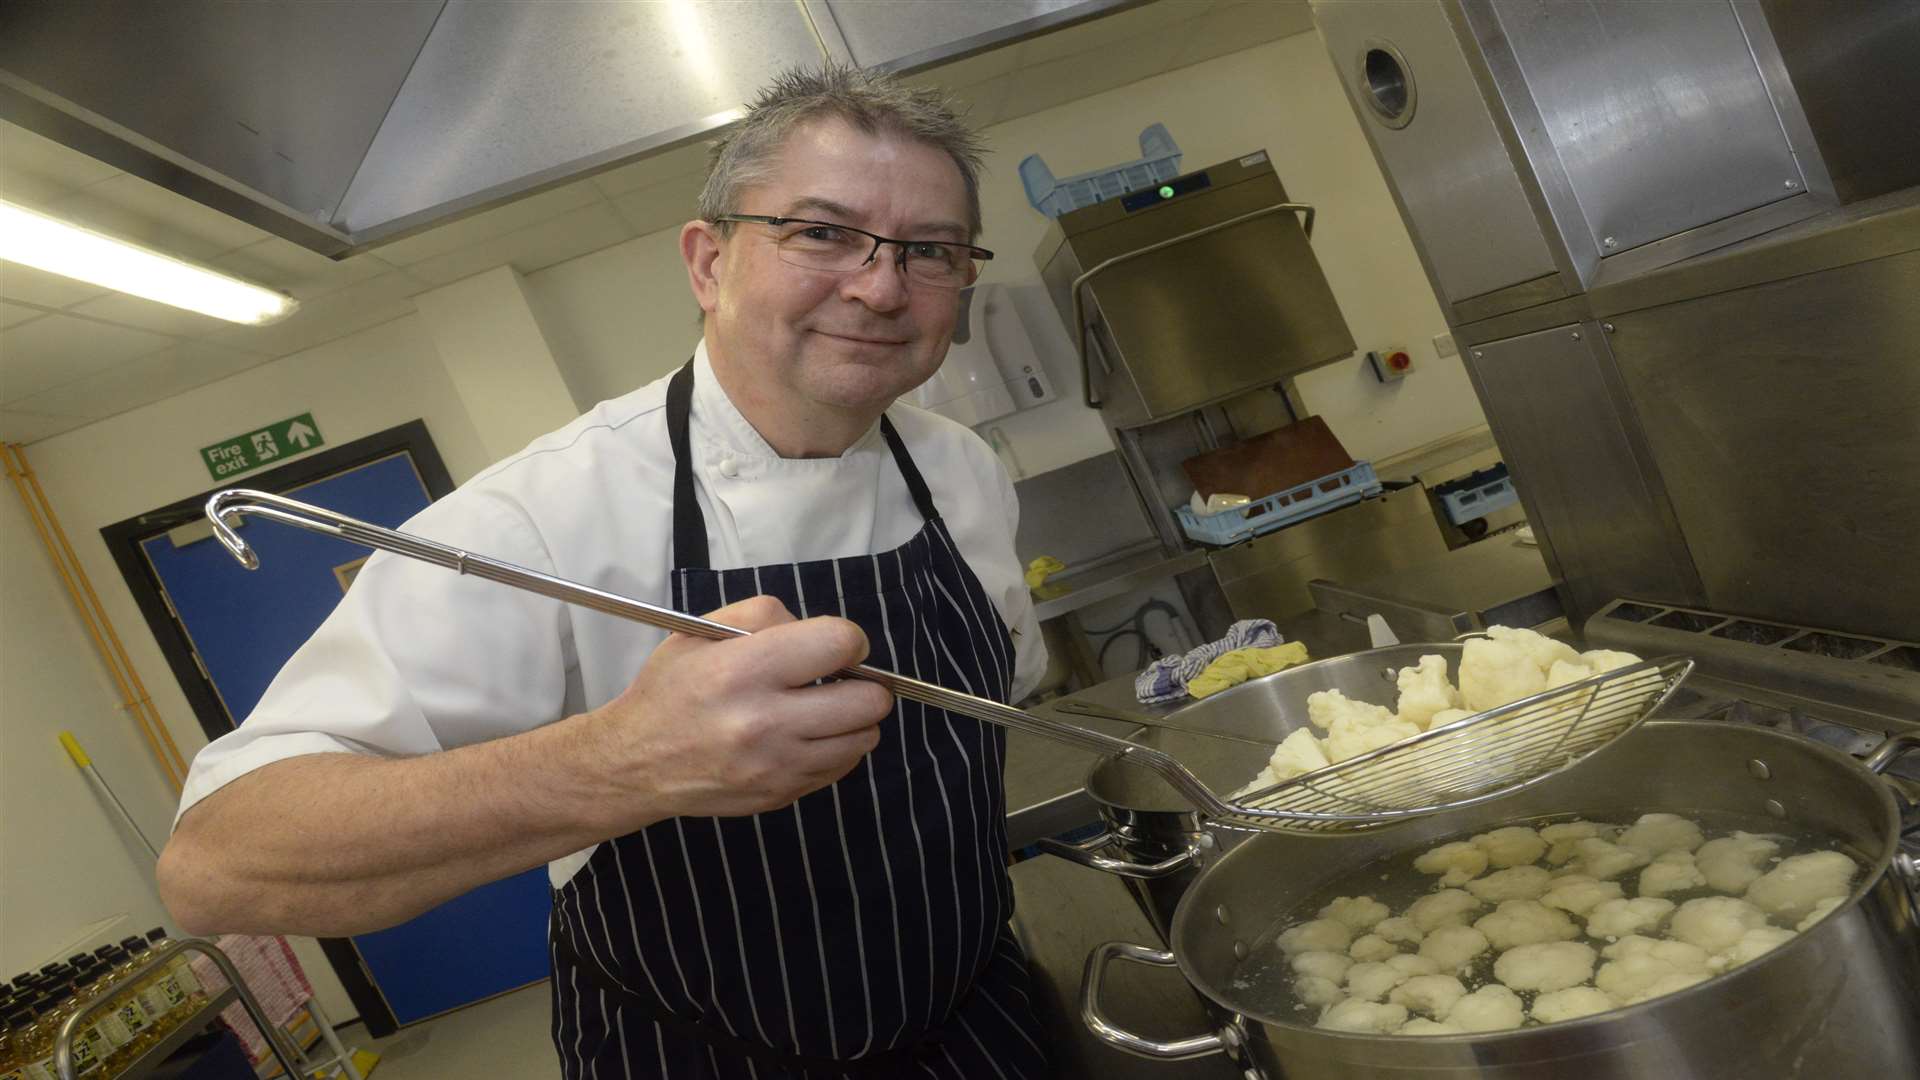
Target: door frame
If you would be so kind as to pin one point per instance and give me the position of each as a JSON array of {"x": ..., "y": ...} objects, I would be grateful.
[{"x": 123, "y": 539}]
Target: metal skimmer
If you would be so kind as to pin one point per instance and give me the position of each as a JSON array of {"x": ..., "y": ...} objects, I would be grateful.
[{"x": 1469, "y": 761}]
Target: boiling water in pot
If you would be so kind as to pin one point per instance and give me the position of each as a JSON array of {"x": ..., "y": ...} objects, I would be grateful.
[{"x": 1267, "y": 983}]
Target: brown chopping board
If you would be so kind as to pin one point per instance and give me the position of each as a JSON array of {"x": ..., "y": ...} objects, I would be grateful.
[{"x": 1283, "y": 458}]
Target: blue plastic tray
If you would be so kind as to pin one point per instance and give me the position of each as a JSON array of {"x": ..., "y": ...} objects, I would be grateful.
[
  {"x": 1282, "y": 508},
  {"x": 1159, "y": 162},
  {"x": 1477, "y": 494}
]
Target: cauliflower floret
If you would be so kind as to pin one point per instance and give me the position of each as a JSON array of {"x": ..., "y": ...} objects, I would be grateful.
[
  {"x": 1570, "y": 1004},
  {"x": 1513, "y": 883},
  {"x": 1327, "y": 965},
  {"x": 1599, "y": 661},
  {"x": 1602, "y": 860},
  {"x": 1453, "y": 947},
  {"x": 1447, "y": 716},
  {"x": 1448, "y": 907},
  {"x": 1752, "y": 945},
  {"x": 1549, "y": 965},
  {"x": 1457, "y": 862},
  {"x": 1408, "y": 964},
  {"x": 1507, "y": 665},
  {"x": 1372, "y": 947},
  {"x": 1820, "y": 911},
  {"x": 1363, "y": 1017},
  {"x": 1314, "y": 990},
  {"x": 1790, "y": 889},
  {"x": 1298, "y": 753},
  {"x": 1619, "y": 918},
  {"x": 1429, "y": 994},
  {"x": 1420, "y": 1025},
  {"x": 1732, "y": 863},
  {"x": 1491, "y": 1008},
  {"x": 1354, "y": 734},
  {"x": 1424, "y": 691},
  {"x": 1326, "y": 706},
  {"x": 1673, "y": 871},
  {"x": 1565, "y": 838},
  {"x": 1319, "y": 935},
  {"x": 1648, "y": 970},
  {"x": 1678, "y": 955},
  {"x": 1525, "y": 922},
  {"x": 1715, "y": 923},
  {"x": 1564, "y": 672},
  {"x": 1580, "y": 894},
  {"x": 1358, "y": 912},
  {"x": 1370, "y": 982},
  {"x": 1657, "y": 834},
  {"x": 1515, "y": 845},
  {"x": 1399, "y": 929}
]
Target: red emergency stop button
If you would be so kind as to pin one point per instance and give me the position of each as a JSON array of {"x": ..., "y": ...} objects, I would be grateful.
[{"x": 1399, "y": 361}]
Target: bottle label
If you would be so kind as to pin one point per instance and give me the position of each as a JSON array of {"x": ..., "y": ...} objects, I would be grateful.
[
  {"x": 170, "y": 989},
  {"x": 154, "y": 1000},
  {"x": 111, "y": 1029},
  {"x": 188, "y": 980},
  {"x": 87, "y": 1050},
  {"x": 42, "y": 1070},
  {"x": 132, "y": 1015}
]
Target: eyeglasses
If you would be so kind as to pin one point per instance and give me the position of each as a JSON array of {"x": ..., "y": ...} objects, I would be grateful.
[{"x": 842, "y": 249}]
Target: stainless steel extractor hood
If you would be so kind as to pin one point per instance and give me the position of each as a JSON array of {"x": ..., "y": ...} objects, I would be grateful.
[{"x": 341, "y": 125}]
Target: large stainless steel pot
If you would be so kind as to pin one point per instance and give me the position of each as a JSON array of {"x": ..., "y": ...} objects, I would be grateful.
[
  {"x": 1152, "y": 837},
  {"x": 1841, "y": 1000}
]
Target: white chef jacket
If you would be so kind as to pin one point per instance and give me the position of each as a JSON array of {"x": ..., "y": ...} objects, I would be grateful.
[{"x": 417, "y": 658}]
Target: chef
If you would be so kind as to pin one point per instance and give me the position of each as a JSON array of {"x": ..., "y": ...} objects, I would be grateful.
[{"x": 755, "y": 873}]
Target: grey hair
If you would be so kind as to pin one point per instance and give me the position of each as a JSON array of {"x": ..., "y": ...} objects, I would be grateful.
[{"x": 749, "y": 152}]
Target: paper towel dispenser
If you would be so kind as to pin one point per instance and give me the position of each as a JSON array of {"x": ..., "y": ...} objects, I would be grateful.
[{"x": 991, "y": 368}]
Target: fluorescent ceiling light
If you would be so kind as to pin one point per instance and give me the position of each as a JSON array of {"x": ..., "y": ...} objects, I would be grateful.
[{"x": 45, "y": 243}]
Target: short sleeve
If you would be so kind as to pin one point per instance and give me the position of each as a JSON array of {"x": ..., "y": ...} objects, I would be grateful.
[{"x": 416, "y": 658}]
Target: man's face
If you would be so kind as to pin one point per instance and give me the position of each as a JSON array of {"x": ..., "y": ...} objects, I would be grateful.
[{"x": 854, "y": 340}]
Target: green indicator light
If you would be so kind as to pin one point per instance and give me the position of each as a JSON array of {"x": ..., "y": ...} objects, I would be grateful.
[{"x": 1166, "y": 192}]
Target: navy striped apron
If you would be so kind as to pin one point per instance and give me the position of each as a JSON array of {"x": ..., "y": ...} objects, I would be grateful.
[{"x": 865, "y": 925}]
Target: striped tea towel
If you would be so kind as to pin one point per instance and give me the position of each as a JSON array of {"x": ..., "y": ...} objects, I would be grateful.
[{"x": 1166, "y": 678}]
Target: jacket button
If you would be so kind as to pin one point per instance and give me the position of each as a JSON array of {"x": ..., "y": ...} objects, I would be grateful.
[{"x": 729, "y": 468}]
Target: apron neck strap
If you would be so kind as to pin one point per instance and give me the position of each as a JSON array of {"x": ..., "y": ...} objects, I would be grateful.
[{"x": 690, "y": 526}]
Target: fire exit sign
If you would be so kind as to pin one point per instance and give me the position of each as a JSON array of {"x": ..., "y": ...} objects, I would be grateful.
[{"x": 245, "y": 453}]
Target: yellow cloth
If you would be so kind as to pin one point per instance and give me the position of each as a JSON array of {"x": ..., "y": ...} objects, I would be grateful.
[
  {"x": 1039, "y": 569},
  {"x": 1236, "y": 667}
]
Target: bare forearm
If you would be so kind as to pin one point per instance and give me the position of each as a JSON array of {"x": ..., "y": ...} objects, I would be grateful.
[{"x": 337, "y": 844}]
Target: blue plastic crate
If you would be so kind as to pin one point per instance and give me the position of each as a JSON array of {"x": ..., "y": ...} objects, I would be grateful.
[
  {"x": 1159, "y": 162},
  {"x": 1282, "y": 508},
  {"x": 1477, "y": 494}
]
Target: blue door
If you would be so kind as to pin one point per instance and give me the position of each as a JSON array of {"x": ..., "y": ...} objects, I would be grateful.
[{"x": 243, "y": 625}]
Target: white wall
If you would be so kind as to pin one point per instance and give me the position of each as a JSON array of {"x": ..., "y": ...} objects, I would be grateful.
[{"x": 622, "y": 316}]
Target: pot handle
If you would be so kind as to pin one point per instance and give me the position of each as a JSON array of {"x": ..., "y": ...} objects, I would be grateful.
[
  {"x": 1087, "y": 853},
  {"x": 1116, "y": 1036},
  {"x": 1877, "y": 762}
]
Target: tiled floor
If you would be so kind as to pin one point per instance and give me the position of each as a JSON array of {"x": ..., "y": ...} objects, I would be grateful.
[{"x": 502, "y": 1039}]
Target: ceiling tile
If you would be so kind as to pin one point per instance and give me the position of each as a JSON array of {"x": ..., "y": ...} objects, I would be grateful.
[
  {"x": 58, "y": 349},
  {"x": 28, "y": 427},
  {"x": 569, "y": 236},
  {"x": 294, "y": 270},
  {"x": 1046, "y": 85},
  {"x": 14, "y": 314},
  {"x": 1101, "y": 33},
  {"x": 471, "y": 230},
  {"x": 141, "y": 381},
  {"x": 143, "y": 314},
  {"x": 980, "y": 103},
  {"x": 662, "y": 206},
  {"x": 335, "y": 315},
  {"x": 128, "y": 208},
  {"x": 36, "y": 169},
  {"x": 654, "y": 169},
  {"x": 30, "y": 286},
  {"x": 1243, "y": 24}
]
